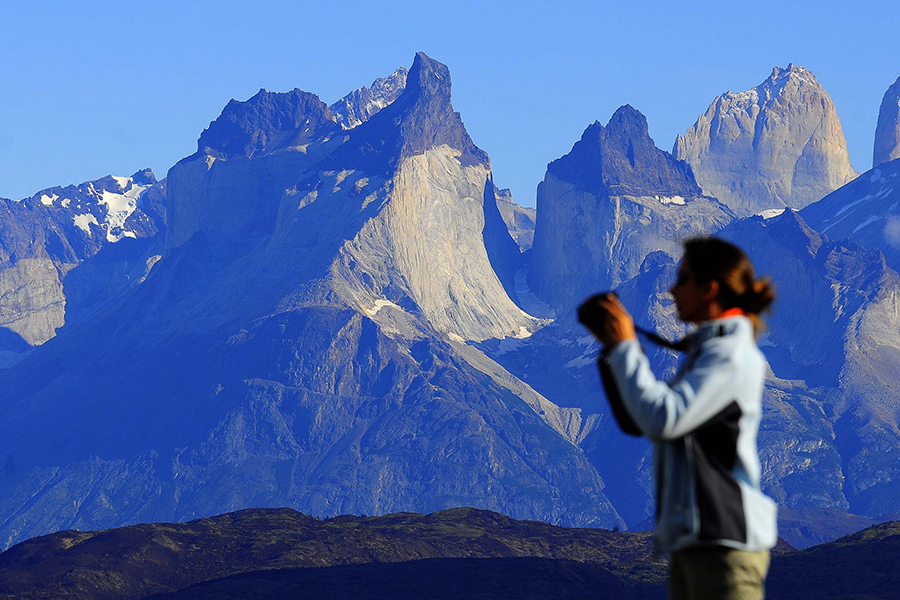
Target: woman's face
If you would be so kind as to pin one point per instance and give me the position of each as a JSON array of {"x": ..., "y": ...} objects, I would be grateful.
[{"x": 691, "y": 298}]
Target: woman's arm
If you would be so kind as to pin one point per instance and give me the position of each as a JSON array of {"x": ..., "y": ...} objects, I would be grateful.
[{"x": 664, "y": 412}]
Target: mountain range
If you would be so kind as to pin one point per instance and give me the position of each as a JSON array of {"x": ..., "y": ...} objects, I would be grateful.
[
  {"x": 300, "y": 343},
  {"x": 336, "y": 309}
]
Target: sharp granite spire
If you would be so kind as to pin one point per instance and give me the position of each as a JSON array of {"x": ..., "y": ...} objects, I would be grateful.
[{"x": 887, "y": 133}]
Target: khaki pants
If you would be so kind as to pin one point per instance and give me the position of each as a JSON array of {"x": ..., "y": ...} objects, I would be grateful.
[{"x": 717, "y": 573}]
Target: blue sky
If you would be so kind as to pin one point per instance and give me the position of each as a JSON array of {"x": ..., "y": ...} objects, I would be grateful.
[{"x": 97, "y": 88}]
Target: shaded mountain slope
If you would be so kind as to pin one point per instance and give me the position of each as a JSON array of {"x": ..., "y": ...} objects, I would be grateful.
[
  {"x": 866, "y": 210},
  {"x": 836, "y": 326},
  {"x": 887, "y": 131}
]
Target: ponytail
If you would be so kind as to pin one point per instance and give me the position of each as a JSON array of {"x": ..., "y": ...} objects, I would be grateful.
[{"x": 713, "y": 259}]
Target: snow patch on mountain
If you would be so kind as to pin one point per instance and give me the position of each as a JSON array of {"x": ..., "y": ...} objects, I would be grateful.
[
  {"x": 869, "y": 220},
  {"x": 123, "y": 182},
  {"x": 379, "y": 304},
  {"x": 83, "y": 222},
  {"x": 582, "y": 360},
  {"x": 770, "y": 212},
  {"x": 119, "y": 207}
]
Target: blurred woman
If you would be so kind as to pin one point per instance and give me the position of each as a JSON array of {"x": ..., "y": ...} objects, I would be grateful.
[{"x": 711, "y": 514}]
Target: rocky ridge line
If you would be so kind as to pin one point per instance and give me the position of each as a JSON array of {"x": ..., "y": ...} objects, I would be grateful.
[{"x": 359, "y": 105}]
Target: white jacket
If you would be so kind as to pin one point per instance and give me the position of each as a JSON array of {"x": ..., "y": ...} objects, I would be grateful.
[{"x": 703, "y": 425}]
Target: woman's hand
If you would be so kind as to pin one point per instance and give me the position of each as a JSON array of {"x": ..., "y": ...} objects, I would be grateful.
[{"x": 607, "y": 319}]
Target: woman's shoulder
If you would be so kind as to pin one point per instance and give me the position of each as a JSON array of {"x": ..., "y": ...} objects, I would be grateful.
[{"x": 732, "y": 336}]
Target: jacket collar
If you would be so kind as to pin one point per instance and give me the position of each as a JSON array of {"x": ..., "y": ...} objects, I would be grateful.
[{"x": 726, "y": 325}]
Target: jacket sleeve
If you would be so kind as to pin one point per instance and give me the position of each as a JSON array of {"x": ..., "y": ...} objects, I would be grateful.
[
  {"x": 622, "y": 416},
  {"x": 663, "y": 412}
]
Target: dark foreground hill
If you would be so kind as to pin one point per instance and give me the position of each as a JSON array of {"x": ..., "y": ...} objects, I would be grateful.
[
  {"x": 281, "y": 553},
  {"x": 264, "y": 554},
  {"x": 861, "y": 566},
  {"x": 434, "y": 578}
]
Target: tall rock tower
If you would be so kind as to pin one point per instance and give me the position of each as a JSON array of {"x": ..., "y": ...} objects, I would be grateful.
[
  {"x": 608, "y": 203},
  {"x": 779, "y": 144},
  {"x": 887, "y": 132}
]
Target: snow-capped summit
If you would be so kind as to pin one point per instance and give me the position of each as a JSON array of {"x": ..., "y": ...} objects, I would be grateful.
[
  {"x": 359, "y": 105},
  {"x": 779, "y": 144},
  {"x": 98, "y": 208}
]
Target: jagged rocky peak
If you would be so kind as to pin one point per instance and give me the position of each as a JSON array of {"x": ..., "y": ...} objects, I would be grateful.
[
  {"x": 430, "y": 119},
  {"x": 441, "y": 221},
  {"x": 374, "y": 249},
  {"x": 267, "y": 122},
  {"x": 608, "y": 203},
  {"x": 359, "y": 105},
  {"x": 887, "y": 133},
  {"x": 406, "y": 189},
  {"x": 144, "y": 177},
  {"x": 621, "y": 158},
  {"x": 779, "y": 144},
  {"x": 420, "y": 119}
]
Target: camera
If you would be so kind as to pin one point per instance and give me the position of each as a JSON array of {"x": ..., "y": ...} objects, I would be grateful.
[{"x": 591, "y": 313}]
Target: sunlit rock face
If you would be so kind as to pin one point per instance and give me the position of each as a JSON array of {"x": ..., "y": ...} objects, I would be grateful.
[
  {"x": 519, "y": 219},
  {"x": 301, "y": 342},
  {"x": 611, "y": 201},
  {"x": 44, "y": 237},
  {"x": 779, "y": 144},
  {"x": 887, "y": 132}
]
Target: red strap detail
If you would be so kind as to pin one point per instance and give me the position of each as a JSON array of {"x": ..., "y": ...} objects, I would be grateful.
[{"x": 733, "y": 312}]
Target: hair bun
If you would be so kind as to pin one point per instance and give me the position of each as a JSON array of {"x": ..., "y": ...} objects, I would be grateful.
[{"x": 759, "y": 297}]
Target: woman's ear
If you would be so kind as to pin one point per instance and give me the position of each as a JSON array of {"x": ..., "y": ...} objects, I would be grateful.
[{"x": 711, "y": 291}]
